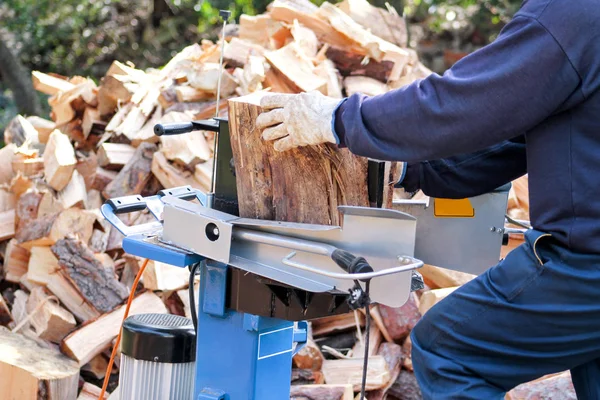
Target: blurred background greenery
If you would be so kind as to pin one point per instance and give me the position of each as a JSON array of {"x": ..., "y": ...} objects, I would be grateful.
[{"x": 83, "y": 37}]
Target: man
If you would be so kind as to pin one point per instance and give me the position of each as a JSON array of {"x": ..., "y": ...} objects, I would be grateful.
[{"x": 527, "y": 103}]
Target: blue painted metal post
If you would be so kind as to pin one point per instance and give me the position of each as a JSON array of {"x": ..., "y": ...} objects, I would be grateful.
[{"x": 240, "y": 356}]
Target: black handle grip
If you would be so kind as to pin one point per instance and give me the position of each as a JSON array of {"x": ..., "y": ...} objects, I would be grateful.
[
  {"x": 175, "y": 128},
  {"x": 127, "y": 204},
  {"x": 181, "y": 192},
  {"x": 351, "y": 263}
]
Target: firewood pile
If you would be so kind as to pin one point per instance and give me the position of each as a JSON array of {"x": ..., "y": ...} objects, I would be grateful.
[{"x": 64, "y": 275}]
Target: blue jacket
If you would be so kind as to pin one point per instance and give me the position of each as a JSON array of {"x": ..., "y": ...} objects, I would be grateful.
[{"x": 527, "y": 103}]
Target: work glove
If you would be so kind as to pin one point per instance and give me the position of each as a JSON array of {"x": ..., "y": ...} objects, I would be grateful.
[{"x": 294, "y": 120}]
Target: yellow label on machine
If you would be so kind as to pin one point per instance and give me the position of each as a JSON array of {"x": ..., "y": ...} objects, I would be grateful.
[{"x": 453, "y": 208}]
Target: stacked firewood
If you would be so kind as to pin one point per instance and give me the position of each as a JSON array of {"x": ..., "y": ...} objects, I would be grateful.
[{"x": 65, "y": 276}]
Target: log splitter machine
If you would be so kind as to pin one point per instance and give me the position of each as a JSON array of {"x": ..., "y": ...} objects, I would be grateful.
[{"x": 261, "y": 281}]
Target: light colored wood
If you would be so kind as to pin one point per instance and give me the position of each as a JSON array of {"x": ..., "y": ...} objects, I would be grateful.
[
  {"x": 392, "y": 353},
  {"x": 97, "y": 366},
  {"x": 29, "y": 371},
  {"x": 19, "y": 131},
  {"x": 237, "y": 52},
  {"x": 443, "y": 278},
  {"x": 258, "y": 29},
  {"x": 59, "y": 160},
  {"x": 170, "y": 176},
  {"x": 71, "y": 298},
  {"x": 131, "y": 125},
  {"x": 329, "y": 392},
  {"x": 48, "y": 84},
  {"x": 186, "y": 150},
  {"x": 7, "y": 224},
  {"x": 91, "y": 339},
  {"x": 92, "y": 122},
  {"x": 298, "y": 72},
  {"x": 364, "y": 85},
  {"x": 252, "y": 75},
  {"x": 114, "y": 155},
  {"x": 349, "y": 372},
  {"x": 27, "y": 166},
  {"x": 74, "y": 194},
  {"x": 431, "y": 297},
  {"x": 49, "y": 204},
  {"x": 327, "y": 71},
  {"x": 102, "y": 178},
  {"x": 20, "y": 184},
  {"x": 146, "y": 134},
  {"x": 19, "y": 310},
  {"x": 164, "y": 277},
  {"x": 7, "y": 200},
  {"x": 375, "y": 339},
  {"x": 115, "y": 90},
  {"x": 188, "y": 94},
  {"x": 378, "y": 320},
  {"x": 42, "y": 264},
  {"x": 51, "y": 321},
  {"x": 305, "y": 39},
  {"x": 134, "y": 176},
  {"x": 91, "y": 392},
  {"x": 206, "y": 78},
  {"x": 16, "y": 260},
  {"x": 337, "y": 323},
  {"x": 43, "y": 126},
  {"x": 385, "y": 24},
  {"x": 6, "y": 155}
]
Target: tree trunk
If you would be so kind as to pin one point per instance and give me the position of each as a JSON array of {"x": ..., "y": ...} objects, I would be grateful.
[{"x": 17, "y": 78}]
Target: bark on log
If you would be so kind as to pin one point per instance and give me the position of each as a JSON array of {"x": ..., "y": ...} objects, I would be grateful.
[
  {"x": 96, "y": 282},
  {"x": 322, "y": 392},
  {"x": 135, "y": 175},
  {"x": 350, "y": 64},
  {"x": 302, "y": 185}
]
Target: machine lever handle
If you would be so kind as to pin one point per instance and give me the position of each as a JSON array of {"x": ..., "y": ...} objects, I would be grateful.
[
  {"x": 175, "y": 128},
  {"x": 350, "y": 263}
]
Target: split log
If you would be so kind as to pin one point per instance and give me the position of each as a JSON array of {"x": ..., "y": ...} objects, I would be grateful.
[
  {"x": 16, "y": 260},
  {"x": 91, "y": 339},
  {"x": 306, "y": 377},
  {"x": 392, "y": 353},
  {"x": 42, "y": 264},
  {"x": 70, "y": 296},
  {"x": 444, "y": 278},
  {"x": 48, "y": 84},
  {"x": 365, "y": 85},
  {"x": 91, "y": 392},
  {"x": 29, "y": 371},
  {"x": 206, "y": 78},
  {"x": 51, "y": 321},
  {"x": 277, "y": 82},
  {"x": 114, "y": 156},
  {"x": 309, "y": 357},
  {"x": 134, "y": 176},
  {"x": 188, "y": 94},
  {"x": 49, "y": 205},
  {"x": 7, "y": 225},
  {"x": 237, "y": 52},
  {"x": 6, "y": 155},
  {"x": 302, "y": 185},
  {"x": 258, "y": 29},
  {"x": 406, "y": 387},
  {"x": 164, "y": 277},
  {"x": 59, "y": 160},
  {"x": 19, "y": 131},
  {"x": 559, "y": 386},
  {"x": 328, "y": 71},
  {"x": 20, "y": 184},
  {"x": 92, "y": 122},
  {"x": 407, "y": 353},
  {"x": 349, "y": 63},
  {"x": 146, "y": 134},
  {"x": 8, "y": 200},
  {"x": 75, "y": 193},
  {"x": 378, "y": 320},
  {"x": 170, "y": 176},
  {"x": 375, "y": 339},
  {"x": 5, "y": 315},
  {"x": 337, "y": 323},
  {"x": 95, "y": 281},
  {"x": 102, "y": 178},
  {"x": 19, "y": 310},
  {"x": 27, "y": 166},
  {"x": 350, "y": 371},
  {"x": 96, "y": 367},
  {"x": 186, "y": 150},
  {"x": 321, "y": 392},
  {"x": 46, "y": 230},
  {"x": 43, "y": 126},
  {"x": 114, "y": 89},
  {"x": 400, "y": 321},
  {"x": 432, "y": 297},
  {"x": 298, "y": 72}
]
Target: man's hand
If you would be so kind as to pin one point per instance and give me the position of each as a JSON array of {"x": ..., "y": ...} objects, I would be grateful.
[{"x": 294, "y": 120}]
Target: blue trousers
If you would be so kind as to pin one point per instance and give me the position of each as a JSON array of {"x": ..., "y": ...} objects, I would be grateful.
[{"x": 537, "y": 312}]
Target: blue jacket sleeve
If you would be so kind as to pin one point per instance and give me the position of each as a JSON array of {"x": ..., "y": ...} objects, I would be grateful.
[
  {"x": 490, "y": 96},
  {"x": 468, "y": 175}
]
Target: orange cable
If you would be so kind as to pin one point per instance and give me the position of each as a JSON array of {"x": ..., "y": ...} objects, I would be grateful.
[{"x": 118, "y": 342}]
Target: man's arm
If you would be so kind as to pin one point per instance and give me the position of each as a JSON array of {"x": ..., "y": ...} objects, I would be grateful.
[
  {"x": 490, "y": 96},
  {"x": 468, "y": 175}
]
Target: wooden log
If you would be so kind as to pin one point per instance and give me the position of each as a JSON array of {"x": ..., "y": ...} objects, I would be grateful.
[
  {"x": 237, "y": 52},
  {"x": 75, "y": 193},
  {"x": 43, "y": 126},
  {"x": 59, "y": 160},
  {"x": 386, "y": 24},
  {"x": 444, "y": 278},
  {"x": 91, "y": 392},
  {"x": 375, "y": 339},
  {"x": 42, "y": 264},
  {"x": 51, "y": 321},
  {"x": 432, "y": 297},
  {"x": 19, "y": 310},
  {"x": 97, "y": 367},
  {"x": 349, "y": 371},
  {"x": 309, "y": 357},
  {"x": 114, "y": 89},
  {"x": 16, "y": 260},
  {"x": 337, "y": 323},
  {"x": 401, "y": 320},
  {"x": 171, "y": 176},
  {"x": 94, "y": 280},
  {"x": 135, "y": 174},
  {"x": 258, "y": 29},
  {"x": 392, "y": 353},
  {"x": 321, "y": 392},
  {"x": 324, "y": 176},
  {"x": 19, "y": 131},
  {"x": 5, "y": 315},
  {"x": 20, "y": 184},
  {"x": 114, "y": 156},
  {"x": 188, "y": 94},
  {"x": 49, "y": 204},
  {"x": 349, "y": 64},
  {"x": 298, "y": 72},
  {"x": 328, "y": 71},
  {"x": 558, "y": 386},
  {"x": 407, "y": 354},
  {"x": 27, "y": 166},
  {"x": 48, "y": 84},
  {"x": 7, "y": 225},
  {"x": 307, "y": 377},
  {"x": 70, "y": 296},
  {"x": 6, "y": 171},
  {"x": 91, "y": 339},
  {"x": 46, "y": 230},
  {"x": 92, "y": 122},
  {"x": 146, "y": 134},
  {"x": 164, "y": 277},
  {"x": 186, "y": 150},
  {"x": 29, "y": 371},
  {"x": 365, "y": 85},
  {"x": 102, "y": 178}
]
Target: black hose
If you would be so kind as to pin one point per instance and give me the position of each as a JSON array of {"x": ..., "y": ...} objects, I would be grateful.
[{"x": 193, "y": 273}]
